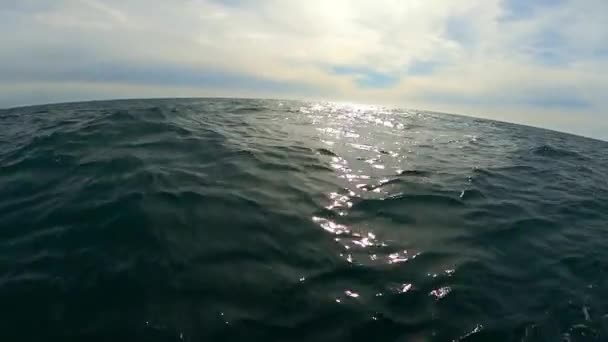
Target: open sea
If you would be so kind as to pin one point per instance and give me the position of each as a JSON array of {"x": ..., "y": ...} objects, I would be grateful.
[{"x": 264, "y": 220}]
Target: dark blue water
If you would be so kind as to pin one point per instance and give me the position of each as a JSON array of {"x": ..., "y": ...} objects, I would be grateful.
[{"x": 253, "y": 220}]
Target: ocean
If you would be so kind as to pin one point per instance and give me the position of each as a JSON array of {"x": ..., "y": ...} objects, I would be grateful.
[{"x": 267, "y": 220}]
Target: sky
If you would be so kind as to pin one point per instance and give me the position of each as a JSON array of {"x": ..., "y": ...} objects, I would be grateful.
[{"x": 537, "y": 62}]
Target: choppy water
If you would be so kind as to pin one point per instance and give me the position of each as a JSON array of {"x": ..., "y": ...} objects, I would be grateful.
[{"x": 234, "y": 220}]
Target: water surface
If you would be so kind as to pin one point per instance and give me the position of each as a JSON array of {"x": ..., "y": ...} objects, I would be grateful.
[{"x": 233, "y": 220}]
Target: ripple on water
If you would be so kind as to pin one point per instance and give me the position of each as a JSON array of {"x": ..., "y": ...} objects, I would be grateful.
[{"x": 228, "y": 219}]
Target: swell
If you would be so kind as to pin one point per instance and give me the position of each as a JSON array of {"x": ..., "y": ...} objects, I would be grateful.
[
  {"x": 555, "y": 152},
  {"x": 231, "y": 219}
]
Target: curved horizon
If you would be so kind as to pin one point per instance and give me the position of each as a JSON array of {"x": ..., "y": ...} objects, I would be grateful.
[
  {"x": 506, "y": 60},
  {"x": 75, "y": 102}
]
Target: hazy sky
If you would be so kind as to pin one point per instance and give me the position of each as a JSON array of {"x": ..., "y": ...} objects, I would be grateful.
[{"x": 539, "y": 62}]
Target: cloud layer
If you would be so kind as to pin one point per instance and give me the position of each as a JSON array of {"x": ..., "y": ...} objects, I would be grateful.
[{"x": 534, "y": 62}]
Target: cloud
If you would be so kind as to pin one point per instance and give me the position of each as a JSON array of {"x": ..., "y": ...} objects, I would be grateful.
[
  {"x": 367, "y": 78},
  {"x": 166, "y": 75},
  {"x": 492, "y": 58},
  {"x": 422, "y": 67},
  {"x": 525, "y": 9}
]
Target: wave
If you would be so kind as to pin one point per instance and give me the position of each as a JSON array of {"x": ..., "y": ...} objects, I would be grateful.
[
  {"x": 554, "y": 152},
  {"x": 224, "y": 219}
]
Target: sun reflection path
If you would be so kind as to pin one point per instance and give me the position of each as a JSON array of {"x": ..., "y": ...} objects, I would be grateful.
[
  {"x": 365, "y": 147},
  {"x": 343, "y": 127}
]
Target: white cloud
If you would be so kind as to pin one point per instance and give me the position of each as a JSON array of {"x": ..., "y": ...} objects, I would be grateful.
[{"x": 542, "y": 67}]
